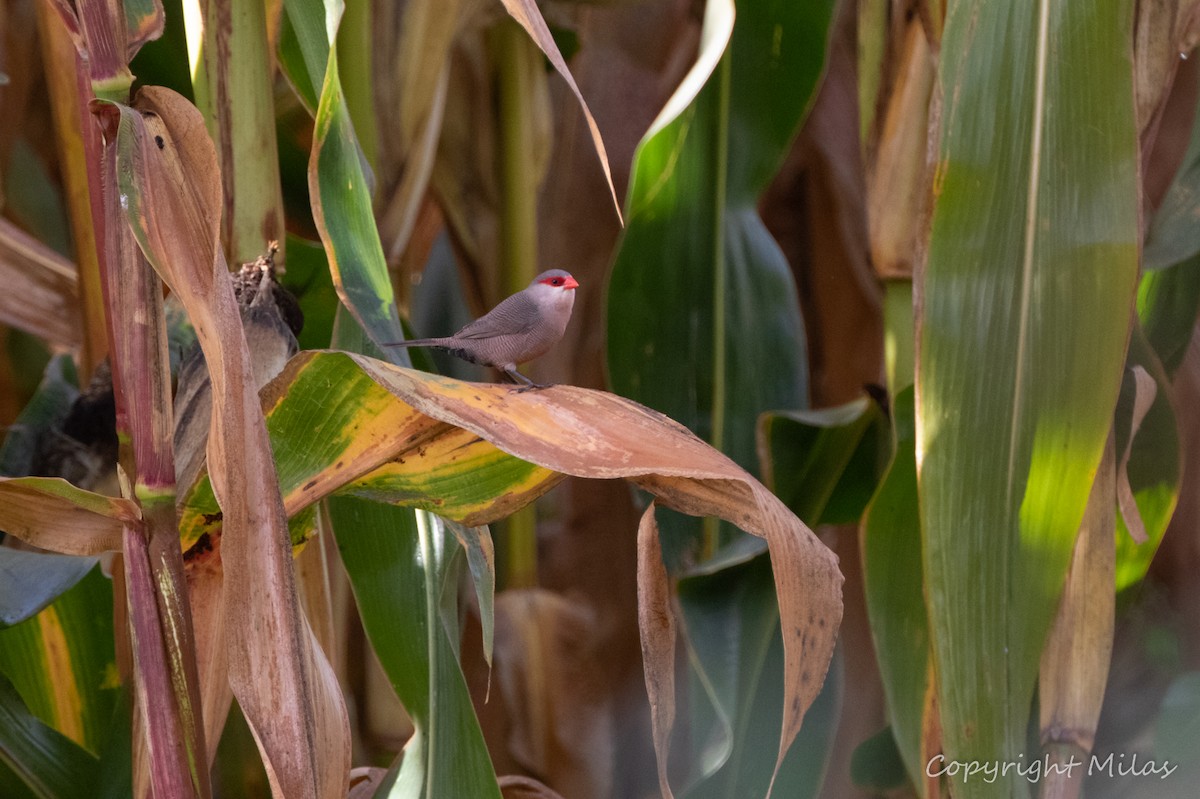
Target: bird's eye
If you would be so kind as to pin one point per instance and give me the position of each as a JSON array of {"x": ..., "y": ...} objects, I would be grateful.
[{"x": 558, "y": 281}]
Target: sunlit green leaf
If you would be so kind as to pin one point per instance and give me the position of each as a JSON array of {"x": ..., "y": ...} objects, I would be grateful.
[
  {"x": 1032, "y": 263},
  {"x": 338, "y": 180}
]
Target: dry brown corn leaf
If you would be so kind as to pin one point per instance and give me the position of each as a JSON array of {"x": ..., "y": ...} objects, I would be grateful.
[{"x": 171, "y": 189}]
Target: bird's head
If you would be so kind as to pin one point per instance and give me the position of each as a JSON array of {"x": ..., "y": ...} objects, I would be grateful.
[
  {"x": 554, "y": 289},
  {"x": 557, "y": 279}
]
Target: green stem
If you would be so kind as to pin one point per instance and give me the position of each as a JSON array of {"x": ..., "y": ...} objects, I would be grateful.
[
  {"x": 711, "y": 528},
  {"x": 232, "y": 85},
  {"x": 898, "y": 338},
  {"x": 426, "y": 526},
  {"x": 516, "y": 60}
]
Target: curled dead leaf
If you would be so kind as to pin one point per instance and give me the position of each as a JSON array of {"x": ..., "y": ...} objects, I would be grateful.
[
  {"x": 657, "y": 624},
  {"x": 1145, "y": 392},
  {"x": 526, "y": 12}
]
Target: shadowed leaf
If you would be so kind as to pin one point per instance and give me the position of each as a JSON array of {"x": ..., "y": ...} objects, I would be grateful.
[
  {"x": 337, "y": 179},
  {"x": 50, "y": 764},
  {"x": 824, "y": 464},
  {"x": 892, "y": 571},
  {"x": 1149, "y": 473},
  {"x": 31, "y": 580}
]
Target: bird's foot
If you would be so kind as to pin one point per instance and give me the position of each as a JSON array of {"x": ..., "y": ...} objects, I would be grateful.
[
  {"x": 526, "y": 383},
  {"x": 533, "y": 387}
]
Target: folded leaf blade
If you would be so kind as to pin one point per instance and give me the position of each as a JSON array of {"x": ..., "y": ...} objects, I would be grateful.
[{"x": 50, "y": 513}]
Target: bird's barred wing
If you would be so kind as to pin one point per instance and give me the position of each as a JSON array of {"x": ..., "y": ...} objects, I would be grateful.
[{"x": 515, "y": 315}]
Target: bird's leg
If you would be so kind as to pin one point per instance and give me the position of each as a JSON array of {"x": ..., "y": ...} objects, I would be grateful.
[{"x": 517, "y": 377}]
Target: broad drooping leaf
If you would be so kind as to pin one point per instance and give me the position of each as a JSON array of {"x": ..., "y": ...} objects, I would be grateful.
[
  {"x": 475, "y": 452},
  {"x": 1022, "y": 325}
]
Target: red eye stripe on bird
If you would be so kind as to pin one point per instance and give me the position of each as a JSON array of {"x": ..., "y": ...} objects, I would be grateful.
[
  {"x": 557, "y": 278},
  {"x": 519, "y": 329}
]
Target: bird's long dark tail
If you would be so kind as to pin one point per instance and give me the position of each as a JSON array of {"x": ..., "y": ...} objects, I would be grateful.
[{"x": 417, "y": 342}]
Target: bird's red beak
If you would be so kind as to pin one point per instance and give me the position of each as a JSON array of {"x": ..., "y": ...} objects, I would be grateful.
[{"x": 571, "y": 283}]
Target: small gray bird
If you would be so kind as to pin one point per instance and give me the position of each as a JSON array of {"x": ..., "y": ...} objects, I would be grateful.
[{"x": 519, "y": 329}]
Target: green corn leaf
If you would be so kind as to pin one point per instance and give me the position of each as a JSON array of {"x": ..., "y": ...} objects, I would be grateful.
[
  {"x": 892, "y": 573},
  {"x": 825, "y": 464},
  {"x": 1022, "y": 325},
  {"x": 50, "y": 765},
  {"x": 63, "y": 664}
]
